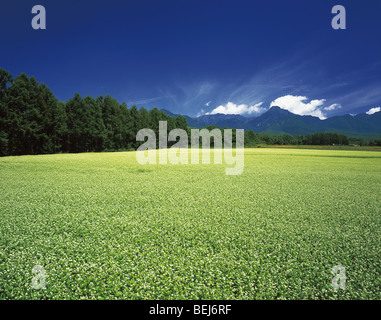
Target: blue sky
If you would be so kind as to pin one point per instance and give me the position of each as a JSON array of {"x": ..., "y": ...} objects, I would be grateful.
[{"x": 199, "y": 57}]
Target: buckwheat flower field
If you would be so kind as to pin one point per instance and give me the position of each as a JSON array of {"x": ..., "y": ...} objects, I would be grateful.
[{"x": 105, "y": 227}]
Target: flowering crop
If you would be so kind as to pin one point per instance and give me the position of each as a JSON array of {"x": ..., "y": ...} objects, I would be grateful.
[{"x": 104, "y": 227}]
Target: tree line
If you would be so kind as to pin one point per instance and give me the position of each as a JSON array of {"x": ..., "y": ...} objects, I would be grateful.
[
  {"x": 33, "y": 121},
  {"x": 322, "y": 138},
  {"x": 253, "y": 139}
]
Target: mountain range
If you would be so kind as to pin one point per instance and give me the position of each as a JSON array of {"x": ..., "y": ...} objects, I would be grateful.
[{"x": 280, "y": 121}]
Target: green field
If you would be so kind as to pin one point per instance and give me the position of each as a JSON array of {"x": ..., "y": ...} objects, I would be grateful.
[{"x": 105, "y": 227}]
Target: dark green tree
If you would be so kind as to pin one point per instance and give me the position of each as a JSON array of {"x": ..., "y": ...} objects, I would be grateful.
[{"x": 5, "y": 81}]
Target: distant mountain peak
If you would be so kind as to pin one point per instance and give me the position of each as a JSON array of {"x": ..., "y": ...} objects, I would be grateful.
[
  {"x": 168, "y": 112},
  {"x": 277, "y": 109},
  {"x": 281, "y": 121}
]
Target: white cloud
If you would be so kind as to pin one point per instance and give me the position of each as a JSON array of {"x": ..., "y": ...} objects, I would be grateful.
[
  {"x": 208, "y": 103},
  {"x": 333, "y": 107},
  {"x": 200, "y": 113},
  {"x": 374, "y": 110},
  {"x": 300, "y": 106},
  {"x": 232, "y": 108}
]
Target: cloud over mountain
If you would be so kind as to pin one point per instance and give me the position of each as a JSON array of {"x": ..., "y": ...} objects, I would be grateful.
[
  {"x": 373, "y": 110},
  {"x": 232, "y": 108},
  {"x": 300, "y": 105},
  {"x": 333, "y": 107}
]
